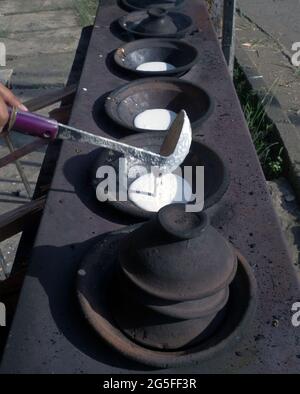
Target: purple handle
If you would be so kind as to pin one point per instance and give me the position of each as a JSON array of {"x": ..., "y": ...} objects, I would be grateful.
[{"x": 36, "y": 125}]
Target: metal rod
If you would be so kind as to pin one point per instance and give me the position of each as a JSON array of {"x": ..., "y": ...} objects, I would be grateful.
[
  {"x": 3, "y": 273},
  {"x": 176, "y": 144},
  {"x": 228, "y": 43},
  {"x": 19, "y": 167}
]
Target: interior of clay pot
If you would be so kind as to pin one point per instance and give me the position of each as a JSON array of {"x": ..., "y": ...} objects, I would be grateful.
[
  {"x": 216, "y": 174},
  {"x": 182, "y": 56},
  {"x": 126, "y": 103}
]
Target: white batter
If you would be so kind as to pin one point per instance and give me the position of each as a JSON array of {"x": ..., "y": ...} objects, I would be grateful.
[
  {"x": 155, "y": 119},
  {"x": 151, "y": 193},
  {"x": 155, "y": 66}
]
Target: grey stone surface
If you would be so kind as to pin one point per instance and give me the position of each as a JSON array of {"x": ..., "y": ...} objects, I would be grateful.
[
  {"x": 39, "y": 21},
  {"x": 278, "y": 18},
  {"x": 273, "y": 64},
  {"x": 22, "y": 6},
  {"x": 52, "y": 71},
  {"x": 52, "y": 42},
  {"x": 288, "y": 211},
  {"x": 266, "y": 33}
]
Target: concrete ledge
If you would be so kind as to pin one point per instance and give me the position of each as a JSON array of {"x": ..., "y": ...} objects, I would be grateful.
[
  {"x": 20, "y": 6},
  {"x": 42, "y": 21},
  {"x": 286, "y": 130}
]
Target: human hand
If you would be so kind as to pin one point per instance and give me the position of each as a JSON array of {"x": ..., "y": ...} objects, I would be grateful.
[{"x": 7, "y": 98}]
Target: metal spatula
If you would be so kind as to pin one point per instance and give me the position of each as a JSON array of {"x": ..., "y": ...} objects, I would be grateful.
[{"x": 173, "y": 151}]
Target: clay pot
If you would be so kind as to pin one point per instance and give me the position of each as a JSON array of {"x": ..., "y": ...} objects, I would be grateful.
[
  {"x": 193, "y": 309},
  {"x": 180, "y": 54},
  {"x": 172, "y": 280},
  {"x": 154, "y": 330},
  {"x": 178, "y": 256}
]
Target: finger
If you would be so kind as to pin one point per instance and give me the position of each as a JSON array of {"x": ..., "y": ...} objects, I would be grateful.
[
  {"x": 4, "y": 116},
  {"x": 11, "y": 99}
]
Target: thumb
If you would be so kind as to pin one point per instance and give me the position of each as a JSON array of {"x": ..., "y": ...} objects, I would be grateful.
[
  {"x": 4, "y": 116},
  {"x": 11, "y": 99}
]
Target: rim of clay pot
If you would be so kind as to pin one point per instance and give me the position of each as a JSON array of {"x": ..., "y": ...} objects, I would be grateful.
[
  {"x": 135, "y": 17},
  {"x": 92, "y": 293},
  {"x": 149, "y": 43},
  {"x": 192, "y": 224},
  {"x": 113, "y": 100},
  {"x": 129, "y": 5}
]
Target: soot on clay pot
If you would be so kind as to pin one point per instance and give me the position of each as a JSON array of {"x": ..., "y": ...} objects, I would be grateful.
[
  {"x": 174, "y": 275},
  {"x": 183, "y": 310},
  {"x": 156, "y": 331}
]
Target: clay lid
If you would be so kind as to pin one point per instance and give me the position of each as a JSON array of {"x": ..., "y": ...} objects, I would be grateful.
[
  {"x": 142, "y": 4},
  {"x": 156, "y": 22},
  {"x": 178, "y": 256}
]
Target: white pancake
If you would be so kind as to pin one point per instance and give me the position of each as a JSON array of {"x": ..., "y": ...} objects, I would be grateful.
[
  {"x": 155, "y": 66},
  {"x": 169, "y": 188},
  {"x": 155, "y": 119}
]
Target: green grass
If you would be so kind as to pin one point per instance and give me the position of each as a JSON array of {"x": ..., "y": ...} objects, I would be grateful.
[
  {"x": 263, "y": 132},
  {"x": 297, "y": 72},
  {"x": 86, "y": 10},
  {"x": 3, "y": 33}
]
